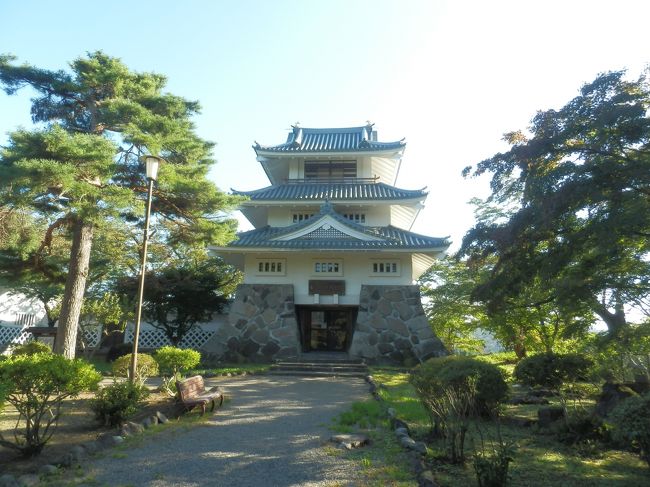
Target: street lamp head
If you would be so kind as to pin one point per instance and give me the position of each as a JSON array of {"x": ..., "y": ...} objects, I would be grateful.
[{"x": 152, "y": 163}]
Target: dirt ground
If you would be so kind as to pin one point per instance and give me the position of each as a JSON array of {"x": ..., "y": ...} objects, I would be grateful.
[{"x": 77, "y": 425}]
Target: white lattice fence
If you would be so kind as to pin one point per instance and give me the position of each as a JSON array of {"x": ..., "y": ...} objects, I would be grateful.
[
  {"x": 18, "y": 335},
  {"x": 153, "y": 338},
  {"x": 13, "y": 334}
]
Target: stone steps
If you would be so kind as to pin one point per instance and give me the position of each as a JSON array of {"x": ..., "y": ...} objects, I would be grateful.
[{"x": 320, "y": 367}]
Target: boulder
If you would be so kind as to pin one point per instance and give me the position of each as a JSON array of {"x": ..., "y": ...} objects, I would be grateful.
[
  {"x": 611, "y": 396},
  {"x": 350, "y": 441},
  {"x": 162, "y": 419},
  {"x": 28, "y": 480},
  {"x": 548, "y": 415},
  {"x": 48, "y": 470},
  {"x": 130, "y": 428}
]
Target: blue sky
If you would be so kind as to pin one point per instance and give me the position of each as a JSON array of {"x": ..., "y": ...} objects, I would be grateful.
[{"x": 451, "y": 77}]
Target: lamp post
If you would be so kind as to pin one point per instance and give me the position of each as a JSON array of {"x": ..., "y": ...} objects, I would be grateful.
[{"x": 152, "y": 163}]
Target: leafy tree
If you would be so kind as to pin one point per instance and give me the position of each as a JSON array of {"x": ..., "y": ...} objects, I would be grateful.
[
  {"x": 36, "y": 386},
  {"x": 81, "y": 171},
  {"x": 177, "y": 298},
  {"x": 447, "y": 287},
  {"x": 579, "y": 189}
]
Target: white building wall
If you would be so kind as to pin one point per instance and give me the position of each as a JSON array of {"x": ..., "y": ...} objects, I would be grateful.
[
  {"x": 356, "y": 270},
  {"x": 12, "y": 305}
]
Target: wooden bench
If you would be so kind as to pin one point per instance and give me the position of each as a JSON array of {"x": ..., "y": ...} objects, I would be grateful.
[{"x": 192, "y": 393}]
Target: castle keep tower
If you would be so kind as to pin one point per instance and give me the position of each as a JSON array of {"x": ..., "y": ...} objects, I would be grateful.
[{"x": 331, "y": 263}]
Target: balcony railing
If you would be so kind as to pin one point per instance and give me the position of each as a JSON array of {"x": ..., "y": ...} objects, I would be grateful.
[{"x": 333, "y": 180}]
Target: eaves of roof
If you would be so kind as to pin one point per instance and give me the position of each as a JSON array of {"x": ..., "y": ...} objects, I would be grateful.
[{"x": 332, "y": 191}]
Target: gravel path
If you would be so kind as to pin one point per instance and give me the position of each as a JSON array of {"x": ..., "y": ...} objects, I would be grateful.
[{"x": 270, "y": 433}]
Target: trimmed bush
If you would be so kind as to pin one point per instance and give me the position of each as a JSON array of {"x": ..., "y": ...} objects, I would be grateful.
[
  {"x": 174, "y": 363},
  {"x": 440, "y": 373},
  {"x": 36, "y": 385},
  {"x": 146, "y": 367},
  {"x": 631, "y": 425},
  {"x": 552, "y": 370},
  {"x": 116, "y": 403},
  {"x": 30, "y": 348}
]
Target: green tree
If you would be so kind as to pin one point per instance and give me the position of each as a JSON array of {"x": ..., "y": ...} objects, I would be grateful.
[
  {"x": 447, "y": 287},
  {"x": 177, "y": 298},
  {"x": 579, "y": 189},
  {"x": 81, "y": 169}
]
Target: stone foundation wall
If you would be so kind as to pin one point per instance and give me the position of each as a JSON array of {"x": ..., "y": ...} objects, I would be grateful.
[
  {"x": 392, "y": 327},
  {"x": 262, "y": 326}
]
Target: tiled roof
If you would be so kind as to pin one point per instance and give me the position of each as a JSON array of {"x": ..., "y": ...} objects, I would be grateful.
[
  {"x": 332, "y": 191},
  {"x": 350, "y": 139},
  {"x": 391, "y": 238},
  {"x": 384, "y": 238}
]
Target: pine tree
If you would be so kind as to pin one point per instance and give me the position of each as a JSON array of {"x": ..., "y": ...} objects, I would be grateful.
[{"x": 80, "y": 169}]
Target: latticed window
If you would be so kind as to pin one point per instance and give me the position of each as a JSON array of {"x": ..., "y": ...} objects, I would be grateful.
[
  {"x": 277, "y": 267},
  {"x": 356, "y": 217},
  {"x": 390, "y": 267},
  {"x": 298, "y": 217},
  {"x": 331, "y": 267}
]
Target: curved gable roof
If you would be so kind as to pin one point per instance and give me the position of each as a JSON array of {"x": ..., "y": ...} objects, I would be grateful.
[{"x": 350, "y": 139}]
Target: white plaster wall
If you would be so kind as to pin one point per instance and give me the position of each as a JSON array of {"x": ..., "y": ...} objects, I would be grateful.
[
  {"x": 281, "y": 216},
  {"x": 14, "y": 304},
  {"x": 356, "y": 271}
]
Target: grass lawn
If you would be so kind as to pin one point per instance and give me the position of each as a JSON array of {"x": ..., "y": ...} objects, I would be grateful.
[{"x": 539, "y": 459}]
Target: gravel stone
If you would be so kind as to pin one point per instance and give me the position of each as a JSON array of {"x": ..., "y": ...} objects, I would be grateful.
[{"x": 271, "y": 432}]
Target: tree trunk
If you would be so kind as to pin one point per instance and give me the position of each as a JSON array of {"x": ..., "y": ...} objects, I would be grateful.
[
  {"x": 615, "y": 321},
  {"x": 75, "y": 286}
]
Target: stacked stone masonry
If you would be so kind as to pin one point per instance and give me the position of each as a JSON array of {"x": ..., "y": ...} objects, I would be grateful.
[
  {"x": 392, "y": 327},
  {"x": 261, "y": 327}
]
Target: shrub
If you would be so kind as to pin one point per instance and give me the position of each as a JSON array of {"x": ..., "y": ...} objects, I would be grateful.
[
  {"x": 36, "y": 385},
  {"x": 30, "y": 348},
  {"x": 173, "y": 363},
  {"x": 117, "y": 402},
  {"x": 146, "y": 367},
  {"x": 631, "y": 424},
  {"x": 552, "y": 370},
  {"x": 437, "y": 374}
]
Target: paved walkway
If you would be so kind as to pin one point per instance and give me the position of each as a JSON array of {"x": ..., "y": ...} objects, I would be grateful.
[{"x": 270, "y": 433}]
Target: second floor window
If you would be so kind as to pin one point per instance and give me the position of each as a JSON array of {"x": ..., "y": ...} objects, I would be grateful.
[{"x": 330, "y": 169}]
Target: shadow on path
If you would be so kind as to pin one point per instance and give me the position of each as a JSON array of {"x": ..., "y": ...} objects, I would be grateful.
[{"x": 270, "y": 433}]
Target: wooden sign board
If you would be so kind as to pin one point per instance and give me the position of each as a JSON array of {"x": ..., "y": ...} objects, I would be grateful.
[{"x": 327, "y": 287}]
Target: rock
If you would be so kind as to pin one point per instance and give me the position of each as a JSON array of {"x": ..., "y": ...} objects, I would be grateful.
[
  {"x": 130, "y": 428},
  {"x": 407, "y": 442},
  {"x": 7, "y": 480},
  {"x": 420, "y": 447},
  {"x": 48, "y": 470},
  {"x": 611, "y": 396},
  {"x": 542, "y": 393},
  {"x": 529, "y": 400},
  {"x": 150, "y": 421},
  {"x": 391, "y": 412},
  {"x": 398, "y": 423},
  {"x": 108, "y": 440},
  {"x": 427, "y": 479},
  {"x": 548, "y": 415},
  {"x": 401, "y": 432},
  {"x": 162, "y": 419},
  {"x": 28, "y": 480},
  {"x": 91, "y": 447},
  {"x": 350, "y": 441}
]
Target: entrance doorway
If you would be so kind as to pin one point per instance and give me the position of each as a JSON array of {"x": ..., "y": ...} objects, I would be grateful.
[{"x": 326, "y": 328}]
